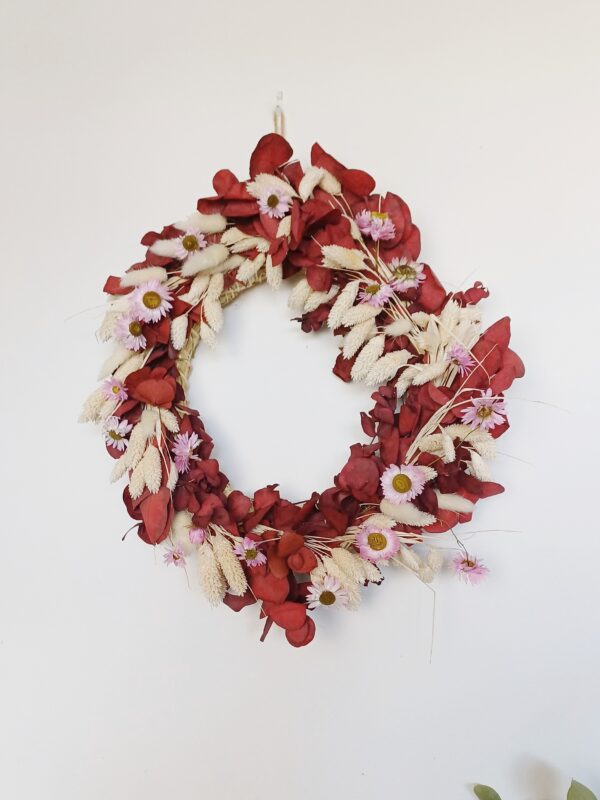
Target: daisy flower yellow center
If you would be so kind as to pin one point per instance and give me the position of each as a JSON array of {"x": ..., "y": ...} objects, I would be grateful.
[
  {"x": 190, "y": 243},
  {"x": 135, "y": 328},
  {"x": 176, "y": 556},
  {"x": 401, "y": 483},
  {"x": 272, "y": 201},
  {"x": 115, "y": 390},
  {"x": 251, "y": 553},
  {"x": 405, "y": 273},
  {"x": 327, "y": 598},
  {"x": 115, "y": 436},
  {"x": 377, "y": 541},
  {"x": 379, "y": 214},
  {"x": 483, "y": 412},
  {"x": 373, "y": 288},
  {"x": 151, "y": 300}
]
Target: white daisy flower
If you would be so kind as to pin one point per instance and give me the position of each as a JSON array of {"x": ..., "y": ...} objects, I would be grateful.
[
  {"x": 151, "y": 301},
  {"x": 327, "y": 592},
  {"x": 115, "y": 431},
  {"x": 129, "y": 331}
]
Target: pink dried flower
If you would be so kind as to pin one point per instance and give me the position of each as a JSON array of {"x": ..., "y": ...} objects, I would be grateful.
[
  {"x": 401, "y": 484},
  {"x": 247, "y": 550},
  {"x": 128, "y": 331},
  {"x": 328, "y": 592},
  {"x": 407, "y": 274},
  {"x": 376, "y": 543},
  {"x": 151, "y": 301},
  {"x": 375, "y": 224},
  {"x": 115, "y": 431},
  {"x": 114, "y": 389},
  {"x": 485, "y": 412},
  {"x": 469, "y": 569},
  {"x": 174, "y": 555},
  {"x": 190, "y": 242},
  {"x": 197, "y": 535},
  {"x": 460, "y": 358},
  {"x": 274, "y": 202},
  {"x": 376, "y": 294},
  {"x": 185, "y": 444}
]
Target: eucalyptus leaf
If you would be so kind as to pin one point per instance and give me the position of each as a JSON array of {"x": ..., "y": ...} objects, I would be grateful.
[
  {"x": 487, "y": 793},
  {"x": 577, "y": 791}
]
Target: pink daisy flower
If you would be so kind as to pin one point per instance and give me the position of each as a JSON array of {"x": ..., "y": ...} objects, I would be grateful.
[
  {"x": 247, "y": 550},
  {"x": 114, "y": 389},
  {"x": 128, "y": 331},
  {"x": 274, "y": 202},
  {"x": 328, "y": 592},
  {"x": 407, "y": 274},
  {"x": 376, "y": 294},
  {"x": 174, "y": 555},
  {"x": 151, "y": 301},
  {"x": 460, "y": 358},
  {"x": 115, "y": 431},
  {"x": 404, "y": 483},
  {"x": 485, "y": 412},
  {"x": 190, "y": 242},
  {"x": 469, "y": 569},
  {"x": 377, "y": 544},
  {"x": 185, "y": 444},
  {"x": 197, "y": 535},
  {"x": 375, "y": 224}
]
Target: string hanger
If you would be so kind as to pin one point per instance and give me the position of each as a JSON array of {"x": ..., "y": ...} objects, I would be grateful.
[{"x": 278, "y": 115}]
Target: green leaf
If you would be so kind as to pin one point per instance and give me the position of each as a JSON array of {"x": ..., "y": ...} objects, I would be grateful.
[
  {"x": 487, "y": 793},
  {"x": 577, "y": 791}
]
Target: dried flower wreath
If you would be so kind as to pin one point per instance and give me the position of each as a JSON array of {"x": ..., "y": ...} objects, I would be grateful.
[{"x": 438, "y": 406}]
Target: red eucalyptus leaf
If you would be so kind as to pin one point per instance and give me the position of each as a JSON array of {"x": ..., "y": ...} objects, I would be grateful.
[
  {"x": 304, "y": 561},
  {"x": 268, "y": 587},
  {"x": 302, "y": 636},
  {"x": 288, "y": 615},
  {"x": 157, "y": 512},
  {"x": 290, "y": 542},
  {"x": 271, "y": 152},
  {"x": 237, "y": 603}
]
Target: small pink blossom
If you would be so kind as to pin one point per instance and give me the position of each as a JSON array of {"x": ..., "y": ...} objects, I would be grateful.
[
  {"x": 401, "y": 484},
  {"x": 185, "y": 444},
  {"x": 115, "y": 431},
  {"x": 190, "y": 242},
  {"x": 151, "y": 301},
  {"x": 174, "y": 555},
  {"x": 407, "y": 274},
  {"x": 376, "y": 543},
  {"x": 460, "y": 358},
  {"x": 376, "y": 294},
  {"x": 114, "y": 389},
  {"x": 485, "y": 412},
  {"x": 247, "y": 550},
  {"x": 375, "y": 224},
  {"x": 129, "y": 332},
  {"x": 197, "y": 535},
  {"x": 469, "y": 569},
  {"x": 274, "y": 202}
]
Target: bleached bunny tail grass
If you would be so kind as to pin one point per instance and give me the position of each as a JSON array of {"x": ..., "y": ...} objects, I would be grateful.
[
  {"x": 213, "y": 314},
  {"x": 429, "y": 372},
  {"x": 207, "y": 334},
  {"x": 332, "y": 568},
  {"x": 358, "y": 569},
  {"x": 119, "y": 469},
  {"x": 107, "y": 326},
  {"x": 202, "y": 223},
  {"x": 92, "y": 407},
  {"x": 285, "y": 227},
  {"x": 274, "y": 273},
  {"x": 317, "y": 298},
  {"x": 206, "y": 259},
  {"x": 367, "y": 357},
  {"x": 358, "y": 314},
  {"x": 137, "y": 482},
  {"x": 249, "y": 267},
  {"x": 454, "y": 502},
  {"x": 337, "y": 257},
  {"x": 212, "y": 581},
  {"x": 119, "y": 356},
  {"x": 344, "y": 302},
  {"x": 407, "y": 514},
  {"x": 173, "y": 478},
  {"x": 309, "y": 182},
  {"x": 139, "y": 276},
  {"x": 357, "y": 336},
  {"x": 152, "y": 468},
  {"x": 169, "y": 420},
  {"x": 265, "y": 181},
  {"x": 478, "y": 468},
  {"x": 399, "y": 327},
  {"x": 179, "y": 327},
  {"x": 215, "y": 286},
  {"x": 133, "y": 363},
  {"x": 229, "y": 564},
  {"x": 386, "y": 367},
  {"x": 299, "y": 295},
  {"x": 196, "y": 290}
]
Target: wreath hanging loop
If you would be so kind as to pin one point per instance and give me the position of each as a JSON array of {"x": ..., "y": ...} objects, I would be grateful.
[{"x": 352, "y": 257}]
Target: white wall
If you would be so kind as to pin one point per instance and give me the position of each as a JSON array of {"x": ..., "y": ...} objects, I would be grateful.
[{"x": 117, "y": 680}]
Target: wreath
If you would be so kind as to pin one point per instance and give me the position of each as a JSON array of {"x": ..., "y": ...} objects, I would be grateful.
[{"x": 438, "y": 400}]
